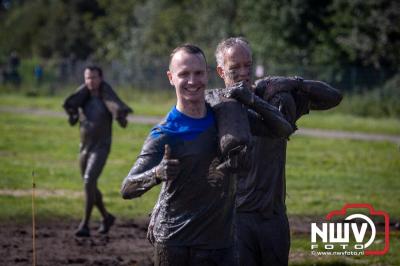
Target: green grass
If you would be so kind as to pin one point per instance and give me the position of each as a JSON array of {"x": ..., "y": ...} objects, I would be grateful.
[
  {"x": 150, "y": 102},
  {"x": 322, "y": 175},
  {"x": 338, "y": 121},
  {"x": 23, "y": 101},
  {"x": 158, "y": 103},
  {"x": 383, "y": 101},
  {"x": 50, "y": 147}
]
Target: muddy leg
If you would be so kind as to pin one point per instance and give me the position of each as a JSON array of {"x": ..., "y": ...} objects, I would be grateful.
[{"x": 171, "y": 256}]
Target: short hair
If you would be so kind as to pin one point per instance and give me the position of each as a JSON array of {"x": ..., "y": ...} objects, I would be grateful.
[
  {"x": 224, "y": 45},
  {"x": 95, "y": 68},
  {"x": 188, "y": 48}
]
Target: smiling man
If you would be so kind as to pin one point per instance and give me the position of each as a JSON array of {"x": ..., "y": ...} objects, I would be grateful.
[{"x": 192, "y": 222}]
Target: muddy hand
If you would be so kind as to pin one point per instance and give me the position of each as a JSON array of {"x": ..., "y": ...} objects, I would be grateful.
[
  {"x": 168, "y": 168},
  {"x": 73, "y": 119},
  {"x": 123, "y": 122},
  {"x": 241, "y": 93},
  {"x": 237, "y": 160},
  {"x": 224, "y": 165}
]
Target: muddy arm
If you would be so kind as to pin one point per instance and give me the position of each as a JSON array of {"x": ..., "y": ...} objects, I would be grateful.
[
  {"x": 142, "y": 177},
  {"x": 267, "y": 120},
  {"x": 73, "y": 102},
  {"x": 115, "y": 105},
  {"x": 322, "y": 96},
  {"x": 137, "y": 183}
]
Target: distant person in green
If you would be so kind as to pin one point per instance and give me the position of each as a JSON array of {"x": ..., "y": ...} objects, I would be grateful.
[{"x": 95, "y": 104}]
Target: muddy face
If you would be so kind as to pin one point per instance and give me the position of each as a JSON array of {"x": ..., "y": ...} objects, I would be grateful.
[
  {"x": 237, "y": 66},
  {"x": 92, "y": 79}
]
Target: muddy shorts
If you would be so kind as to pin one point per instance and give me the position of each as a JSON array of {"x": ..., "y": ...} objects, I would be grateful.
[
  {"x": 182, "y": 256},
  {"x": 92, "y": 163},
  {"x": 262, "y": 241}
]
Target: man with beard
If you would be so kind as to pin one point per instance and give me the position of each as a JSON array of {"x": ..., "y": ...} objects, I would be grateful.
[{"x": 263, "y": 236}]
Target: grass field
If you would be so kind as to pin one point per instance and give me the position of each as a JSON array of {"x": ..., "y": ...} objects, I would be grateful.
[
  {"x": 355, "y": 170},
  {"x": 338, "y": 121},
  {"x": 322, "y": 174},
  {"x": 158, "y": 103}
]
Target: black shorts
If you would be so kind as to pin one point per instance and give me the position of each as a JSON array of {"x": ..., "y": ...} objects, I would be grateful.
[
  {"x": 262, "y": 241},
  {"x": 183, "y": 256}
]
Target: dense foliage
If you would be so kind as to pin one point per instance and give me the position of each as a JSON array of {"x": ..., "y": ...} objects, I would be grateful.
[{"x": 344, "y": 42}]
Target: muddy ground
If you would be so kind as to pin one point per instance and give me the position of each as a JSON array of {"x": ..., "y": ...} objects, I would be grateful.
[{"x": 126, "y": 244}]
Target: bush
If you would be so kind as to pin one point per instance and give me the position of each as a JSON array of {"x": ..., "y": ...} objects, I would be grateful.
[{"x": 380, "y": 102}]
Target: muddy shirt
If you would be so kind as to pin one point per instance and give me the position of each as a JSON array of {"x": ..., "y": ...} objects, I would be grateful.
[
  {"x": 112, "y": 102},
  {"x": 95, "y": 124},
  {"x": 195, "y": 209},
  {"x": 263, "y": 188}
]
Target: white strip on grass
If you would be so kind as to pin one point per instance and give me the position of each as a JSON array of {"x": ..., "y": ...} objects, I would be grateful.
[{"x": 41, "y": 193}]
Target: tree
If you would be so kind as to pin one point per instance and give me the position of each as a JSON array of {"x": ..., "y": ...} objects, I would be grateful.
[{"x": 50, "y": 28}]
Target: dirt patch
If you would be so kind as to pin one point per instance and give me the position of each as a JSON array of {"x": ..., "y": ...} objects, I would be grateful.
[{"x": 126, "y": 244}]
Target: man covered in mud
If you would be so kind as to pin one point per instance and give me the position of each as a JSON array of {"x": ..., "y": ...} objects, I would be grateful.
[
  {"x": 95, "y": 104},
  {"x": 192, "y": 222},
  {"x": 263, "y": 236}
]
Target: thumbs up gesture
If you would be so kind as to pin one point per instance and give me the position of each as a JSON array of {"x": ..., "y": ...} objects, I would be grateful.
[{"x": 168, "y": 168}]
